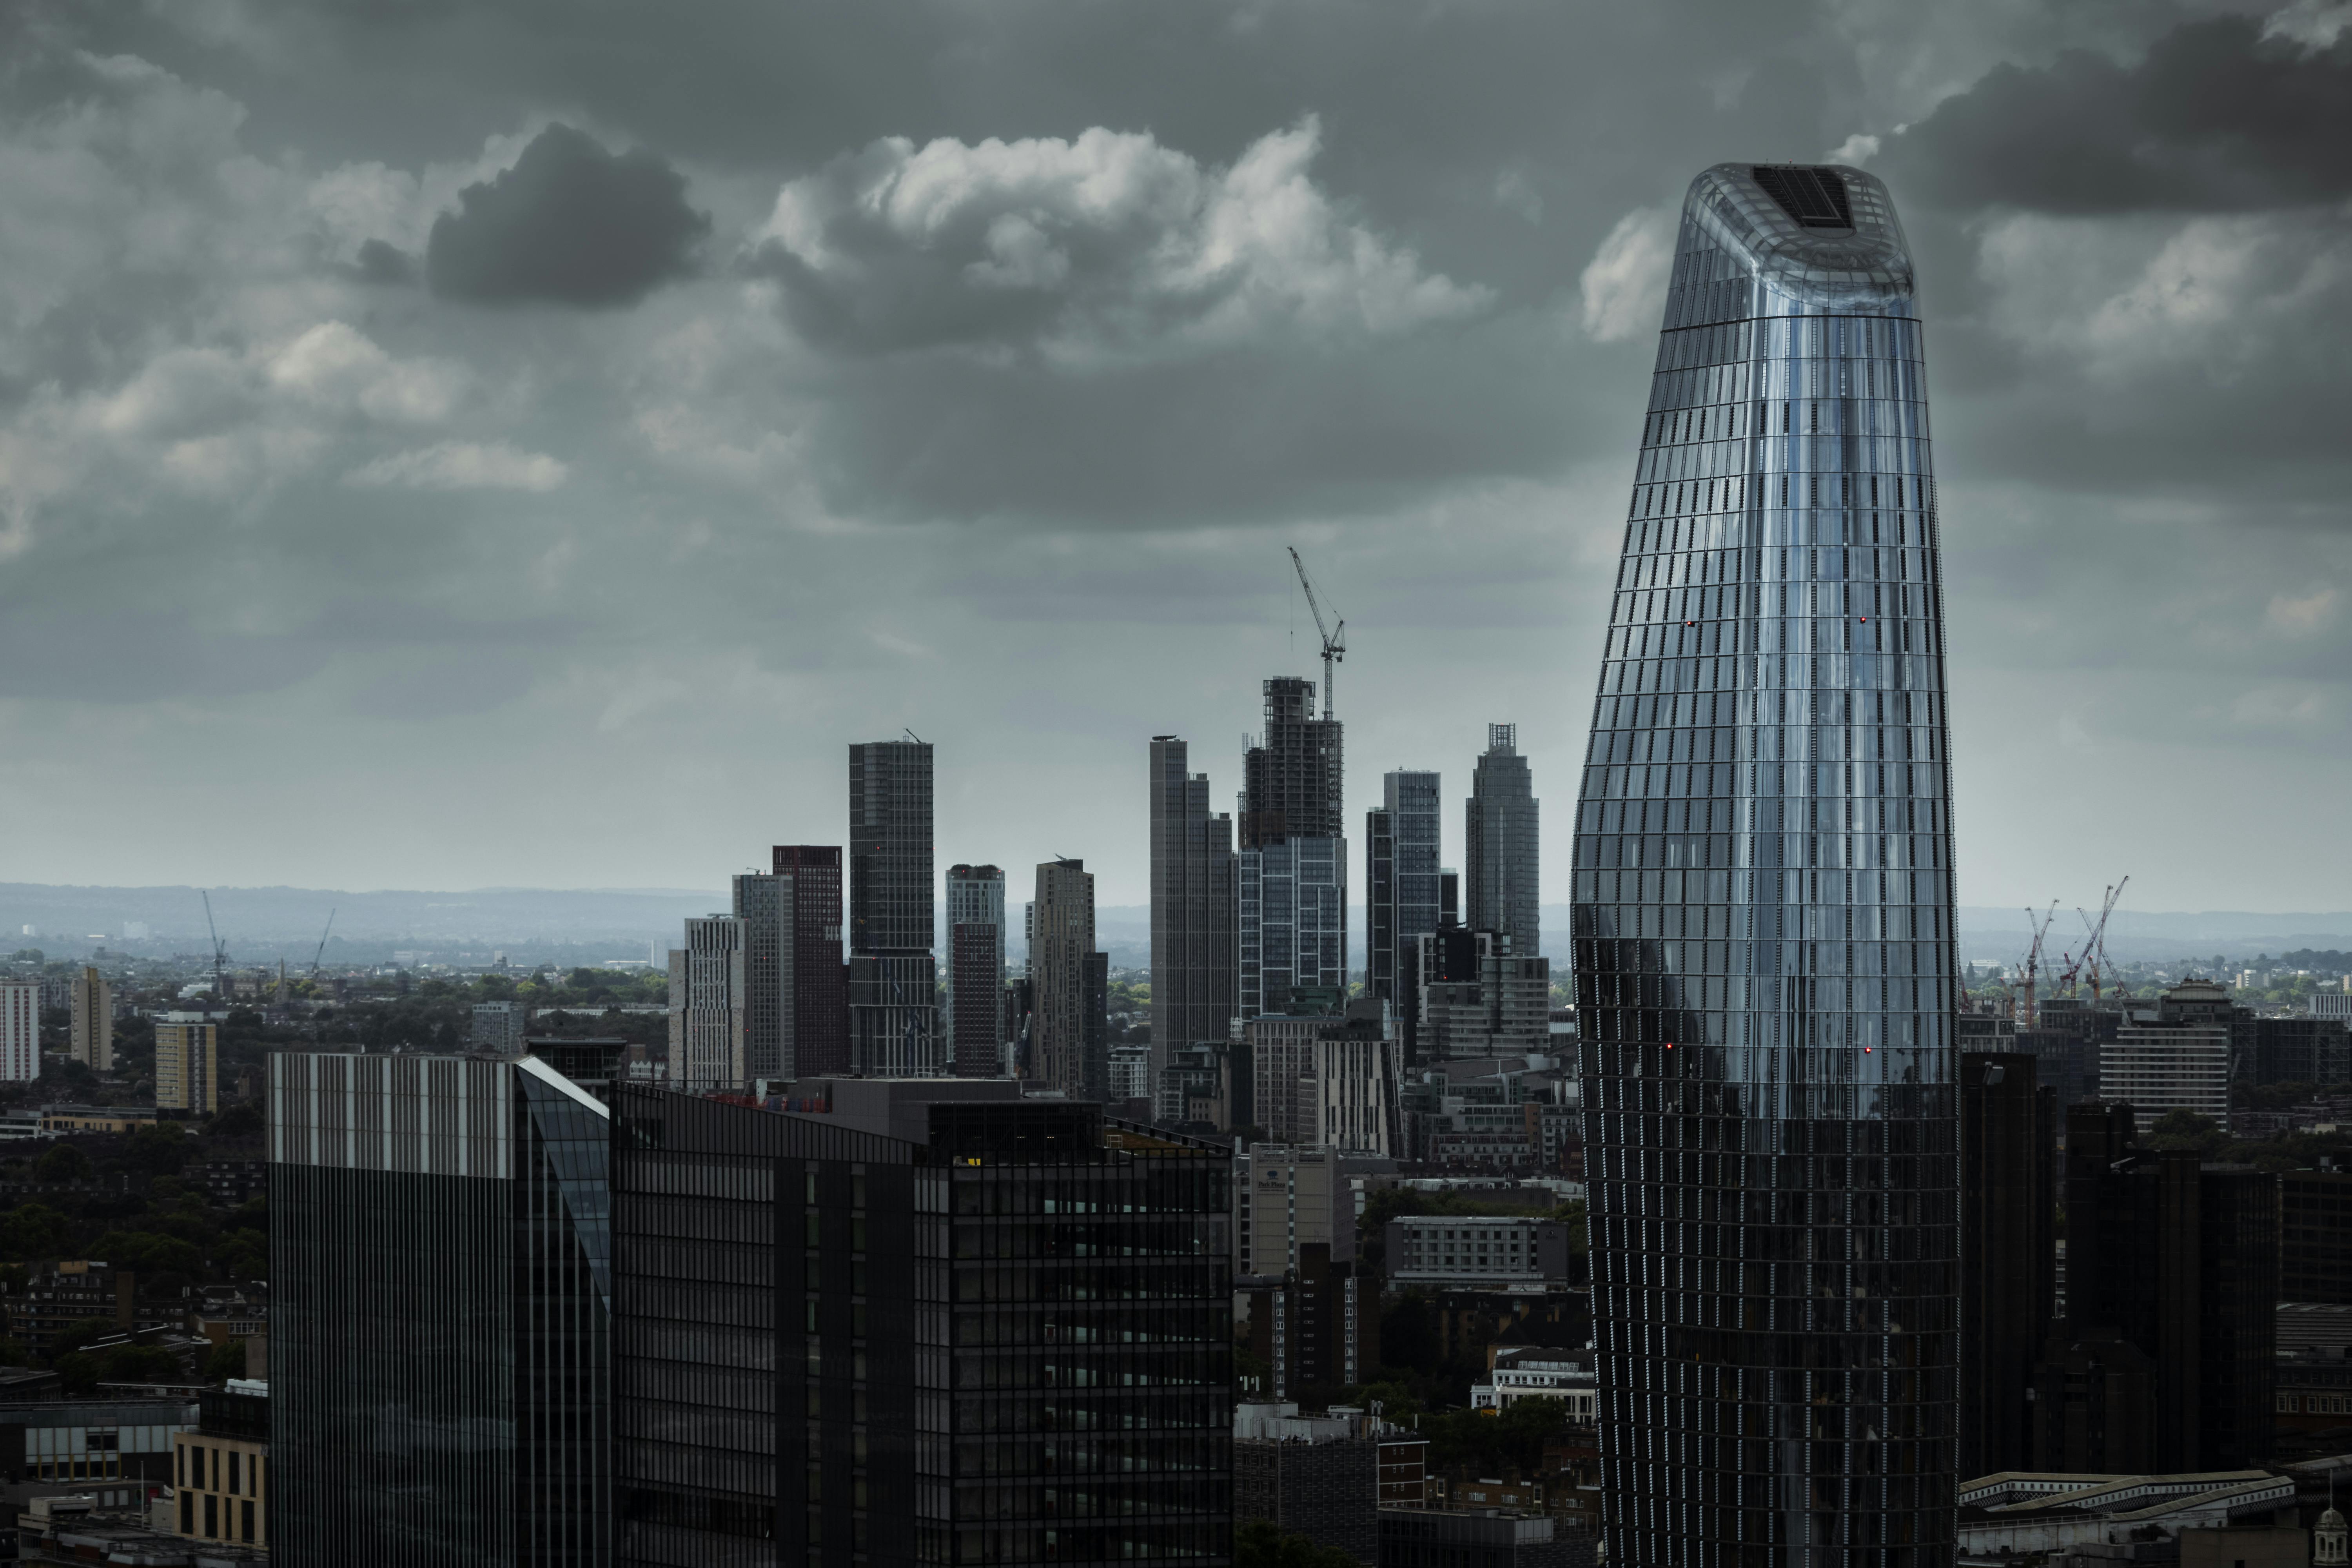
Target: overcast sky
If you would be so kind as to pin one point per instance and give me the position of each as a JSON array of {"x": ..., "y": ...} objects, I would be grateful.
[{"x": 504, "y": 442}]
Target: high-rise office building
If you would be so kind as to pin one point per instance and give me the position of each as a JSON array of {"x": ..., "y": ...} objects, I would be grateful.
[
  {"x": 1068, "y": 1050},
  {"x": 2008, "y": 1141},
  {"x": 441, "y": 1294},
  {"x": 707, "y": 1047},
  {"x": 187, "y": 1063},
  {"x": 817, "y": 1023},
  {"x": 1763, "y": 912},
  {"x": 2180, "y": 1261},
  {"x": 760, "y": 898},
  {"x": 1293, "y": 894},
  {"x": 1195, "y": 945},
  {"x": 1500, "y": 843},
  {"x": 93, "y": 1021},
  {"x": 1401, "y": 891},
  {"x": 942, "y": 1401},
  {"x": 1294, "y": 923},
  {"x": 893, "y": 975},
  {"x": 975, "y": 1010},
  {"x": 20, "y": 1030},
  {"x": 1292, "y": 779}
]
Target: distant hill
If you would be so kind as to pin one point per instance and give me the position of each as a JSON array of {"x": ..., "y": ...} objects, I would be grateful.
[{"x": 263, "y": 924}]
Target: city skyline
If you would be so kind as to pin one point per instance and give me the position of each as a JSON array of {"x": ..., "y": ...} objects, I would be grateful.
[{"x": 659, "y": 532}]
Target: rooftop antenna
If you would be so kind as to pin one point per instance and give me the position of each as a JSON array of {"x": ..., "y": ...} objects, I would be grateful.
[{"x": 1335, "y": 636}]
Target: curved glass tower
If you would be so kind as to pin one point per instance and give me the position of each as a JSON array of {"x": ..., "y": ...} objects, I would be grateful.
[{"x": 1763, "y": 921}]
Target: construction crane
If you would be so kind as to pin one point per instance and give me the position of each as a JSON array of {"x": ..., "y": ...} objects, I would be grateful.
[
  {"x": 1335, "y": 636},
  {"x": 220, "y": 953},
  {"x": 322, "y": 944},
  {"x": 2094, "y": 949},
  {"x": 2025, "y": 1010}
]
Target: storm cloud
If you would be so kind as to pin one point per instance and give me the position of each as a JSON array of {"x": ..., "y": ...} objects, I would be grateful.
[
  {"x": 570, "y": 224},
  {"x": 496, "y": 425},
  {"x": 2217, "y": 116}
]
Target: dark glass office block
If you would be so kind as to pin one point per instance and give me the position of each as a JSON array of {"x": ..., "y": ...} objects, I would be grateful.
[
  {"x": 440, "y": 1264},
  {"x": 1003, "y": 1342}
]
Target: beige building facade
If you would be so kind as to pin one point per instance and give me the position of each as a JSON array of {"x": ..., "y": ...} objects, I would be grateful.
[
  {"x": 187, "y": 1063},
  {"x": 93, "y": 1021}
]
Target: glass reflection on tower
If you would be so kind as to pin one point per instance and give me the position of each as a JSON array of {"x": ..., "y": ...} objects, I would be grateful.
[{"x": 1763, "y": 912}]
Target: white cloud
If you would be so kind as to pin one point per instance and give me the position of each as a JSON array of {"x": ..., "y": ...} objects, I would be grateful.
[
  {"x": 2313, "y": 24},
  {"x": 1625, "y": 285},
  {"x": 333, "y": 363},
  {"x": 2301, "y": 614},
  {"x": 1105, "y": 247},
  {"x": 1857, "y": 148},
  {"x": 463, "y": 466},
  {"x": 2219, "y": 297}
]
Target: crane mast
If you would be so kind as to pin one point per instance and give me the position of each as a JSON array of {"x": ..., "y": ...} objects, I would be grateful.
[
  {"x": 2040, "y": 924},
  {"x": 1335, "y": 636},
  {"x": 220, "y": 953}
]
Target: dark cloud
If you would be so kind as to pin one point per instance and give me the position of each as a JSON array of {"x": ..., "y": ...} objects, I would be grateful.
[
  {"x": 571, "y": 224},
  {"x": 2215, "y": 118},
  {"x": 385, "y": 264}
]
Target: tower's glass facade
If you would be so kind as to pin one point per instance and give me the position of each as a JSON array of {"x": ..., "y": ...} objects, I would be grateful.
[{"x": 1763, "y": 912}]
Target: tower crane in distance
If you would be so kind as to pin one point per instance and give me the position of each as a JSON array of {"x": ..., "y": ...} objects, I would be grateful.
[
  {"x": 220, "y": 953},
  {"x": 1335, "y": 636},
  {"x": 322, "y": 944},
  {"x": 2095, "y": 947},
  {"x": 2025, "y": 1012}
]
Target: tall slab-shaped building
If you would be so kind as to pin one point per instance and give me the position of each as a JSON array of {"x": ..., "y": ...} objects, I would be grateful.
[{"x": 1763, "y": 912}]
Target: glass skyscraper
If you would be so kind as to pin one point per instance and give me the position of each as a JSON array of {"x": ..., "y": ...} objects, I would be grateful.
[
  {"x": 1763, "y": 912},
  {"x": 441, "y": 1270}
]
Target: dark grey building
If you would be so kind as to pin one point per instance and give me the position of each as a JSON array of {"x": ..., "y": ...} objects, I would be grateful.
[
  {"x": 2180, "y": 1260},
  {"x": 1489, "y": 1538},
  {"x": 763, "y": 904},
  {"x": 1196, "y": 950},
  {"x": 1292, "y": 779},
  {"x": 440, "y": 1316},
  {"x": 2008, "y": 1253},
  {"x": 1400, "y": 891},
  {"x": 894, "y": 1025},
  {"x": 2300, "y": 1050},
  {"x": 1500, "y": 850},
  {"x": 2316, "y": 1237},
  {"x": 936, "y": 1323},
  {"x": 1318, "y": 1476},
  {"x": 1763, "y": 909}
]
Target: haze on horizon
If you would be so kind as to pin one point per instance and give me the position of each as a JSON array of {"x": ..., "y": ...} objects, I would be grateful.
[{"x": 438, "y": 450}]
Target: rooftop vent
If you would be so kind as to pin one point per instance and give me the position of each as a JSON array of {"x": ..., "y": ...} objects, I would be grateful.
[{"x": 1814, "y": 197}]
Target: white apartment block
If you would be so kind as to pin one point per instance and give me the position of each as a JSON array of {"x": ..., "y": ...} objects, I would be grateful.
[
  {"x": 20, "y": 1030},
  {"x": 2154, "y": 1068},
  {"x": 708, "y": 1045}
]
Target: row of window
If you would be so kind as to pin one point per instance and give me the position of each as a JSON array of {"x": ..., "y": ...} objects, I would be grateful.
[{"x": 1869, "y": 414}]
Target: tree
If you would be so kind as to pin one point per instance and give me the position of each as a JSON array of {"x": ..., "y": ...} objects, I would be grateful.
[
  {"x": 34, "y": 1231},
  {"x": 225, "y": 1360},
  {"x": 62, "y": 1163},
  {"x": 1260, "y": 1543},
  {"x": 2184, "y": 1128},
  {"x": 160, "y": 1148},
  {"x": 242, "y": 1120}
]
